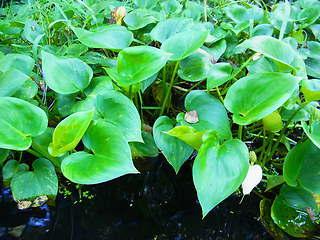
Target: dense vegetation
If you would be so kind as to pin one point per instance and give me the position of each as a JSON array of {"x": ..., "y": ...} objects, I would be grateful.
[{"x": 88, "y": 86}]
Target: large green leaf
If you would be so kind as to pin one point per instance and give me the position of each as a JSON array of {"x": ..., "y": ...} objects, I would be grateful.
[
  {"x": 241, "y": 14},
  {"x": 138, "y": 18},
  {"x": 65, "y": 75},
  {"x": 69, "y": 132},
  {"x": 314, "y": 131},
  {"x": 313, "y": 67},
  {"x": 219, "y": 170},
  {"x": 118, "y": 110},
  {"x": 20, "y": 62},
  {"x": 111, "y": 157},
  {"x": 19, "y": 121},
  {"x": 183, "y": 44},
  {"x": 194, "y": 67},
  {"x": 211, "y": 113},
  {"x": 302, "y": 166},
  {"x": 257, "y": 95},
  {"x": 112, "y": 37},
  {"x": 41, "y": 181},
  {"x": 285, "y": 57},
  {"x": 292, "y": 211},
  {"x": 309, "y": 15},
  {"x": 11, "y": 168},
  {"x": 11, "y": 81},
  {"x": 175, "y": 150}
]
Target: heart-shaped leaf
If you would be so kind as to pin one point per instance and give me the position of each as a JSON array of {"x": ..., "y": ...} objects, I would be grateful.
[
  {"x": 301, "y": 166},
  {"x": 138, "y": 18},
  {"x": 65, "y": 75},
  {"x": 292, "y": 211},
  {"x": 285, "y": 57},
  {"x": 268, "y": 91},
  {"x": 41, "y": 181},
  {"x": 211, "y": 113},
  {"x": 183, "y": 44},
  {"x": 118, "y": 110},
  {"x": 112, "y": 37},
  {"x": 175, "y": 150},
  {"x": 11, "y": 168},
  {"x": 218, "y": 170},
  {"x": 146, "y": 149},
  {"x": 69, "y": 132},
  {"x": 20, "y": 62},
  {"x": 188, "y": 135},
  {"x": 111, "y": 156},
  {"x": 11, "y": 81},
  {"x": 241, "y": 14},
  {"x": 218, "y": 74},
  {"x": 19, "y": 121}
]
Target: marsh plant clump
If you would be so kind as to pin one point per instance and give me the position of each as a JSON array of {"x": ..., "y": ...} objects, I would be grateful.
[{"x": 87, "y": 87}]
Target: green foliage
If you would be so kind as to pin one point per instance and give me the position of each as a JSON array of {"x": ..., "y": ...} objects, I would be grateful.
[{"x": 80, "y": 80}]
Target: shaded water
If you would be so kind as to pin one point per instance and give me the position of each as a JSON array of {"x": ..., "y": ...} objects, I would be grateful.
[{"x": 155, "y": 204}]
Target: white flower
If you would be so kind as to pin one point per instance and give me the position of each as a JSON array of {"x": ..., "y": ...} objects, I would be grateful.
[{"x": 252, "y": 179}]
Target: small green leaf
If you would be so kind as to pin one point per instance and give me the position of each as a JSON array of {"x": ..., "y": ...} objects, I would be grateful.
[
  {"x": 41, "y": 181},
  {"x": 218, "y": 74},
  {"x": 118, "y": 110},
  {"x": 69, "y": 132},
  {"x": 111, "y": 156},
  {"x": 112, "y": 37},
  {"x": 138, "y": 18},
  {"x": 314, "y": 131},
  {"x": 32, "y": 30},
  {"x": 27, "y": 91},
  {"x": 175, "y": 150},
  {"x": 11, "y": 81},
  {"x": 65, "y": 75},
  {"x": 267, "y": 92},
  {"x": 3, "y": 155},
  {"x": 273, "y": 181},
  {"x": 146, "y": 149},
  {"x": 219, "y": 170},
  {"x": 11, "y": 168},
  {"x": 19, "y": 121}
]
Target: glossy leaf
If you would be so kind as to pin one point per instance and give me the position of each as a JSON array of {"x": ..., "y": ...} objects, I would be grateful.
[
  {"x": 118, "y": 110},
  {"x": 146, "y": 149},
  {"x": 11, "y": 81},
  {"x": 262, "y": 30},
  {"x": 284, "y": 56},
  {"x": 27, "y": 91},
  {"x": 69, "y": 132},
  {"x": 218, "y": 170},
  {"x": 194, "y": 67},
  {"x": 41, "y": 181},
  {"x": 65, "y": 75},
  {"x": 146, "y": 3},
  {"x": 188, "y": 135},
  {"x": 309, "y": 15},
  {"x": 313, "y": 67},
  {"x": 112, "y": 37},
  {"x": 311, "y": 89},
  {"x": 111, "y": 157},
  {"x": 313, "y": 132},
  {"x": 289, "y": 211},
  {"x": 19, "y": 121},
  {"x": 20, "y": 62},
  {"x": 138, "y": 18},
  {"x": 216, "y": 50},
  {"x": 3, "y": 155},
  {"x": 241, "y": 14},
  {"x": 32, "y": 30},
  {"x": 211, "y": 112},
  {"x": 11, "y": 168},
  {"x": 175, "y": 150},
  {"x": 301, "y": 166},
  {"x": 316, "y": 30},
  {"x": 267, "y": 92},
  {"x": 183, "y": 44},
  {"x": 218, "y": 74}
]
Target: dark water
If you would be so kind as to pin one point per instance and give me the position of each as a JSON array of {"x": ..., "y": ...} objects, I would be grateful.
[{"x": 155, "y": 204}]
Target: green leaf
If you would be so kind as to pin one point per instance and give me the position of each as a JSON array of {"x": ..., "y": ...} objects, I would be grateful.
[
  {"x": 19, "y": 121},
  {"x": 241, "y": 14},
  {"x": 65, "y": 75},
  {"x": 171, "y": 6},
  {"x": 146, "y": 149},
  {"x": 112, "y": 37},
  {"x": 267, "y": 92},
  {"x": 314, "y": 131},
  {"x": 138, "y": 18},
  {"x": 309, "y": 15},
  {"x": 316, "y": 30},
  {"x": 41, "y": 181},
  {"x": 149, "y": 4},
  {"x": 218, "y": 74},
  {"x": 118, "y": 110},
  {"x": 11, "y": 168},
  {"x": 262, "y": 30},
  {"x": 194, "y": 67},
  {"x": 219, "y": 170},
  {"x": 188, "y": 135},
  {"x": 273, "y": 181},
  {"x": 69, "y": 132},
  {"x": 175, "y": 150},
  {"x": 20, "y": 62},
  {"x": 301, "y": 166},
  {"x": 32, "y": 30},
  {"x": 311, "y": 89},
  {"x": 111, "y": 156},
  {"x": 216, "y": 50},
  {"x": 211, "y": 112},
  {"x": 3, "y": 155},
  {"x": 27, "y": 91},
  {"x": 289, "y": 211},
  {"x": 11, "y": 81},
  {"x": 183, "y": 44},
  {"x": 285, "y": 57},
  {"x": 314, "y": 48},
  {"x": 313, "y": 67}
]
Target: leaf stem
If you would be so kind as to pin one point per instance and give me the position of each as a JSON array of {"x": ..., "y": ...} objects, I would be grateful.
[
  {"x": 240, "y": 132},
  {"x": 164, "y": 104},
  {"x": 219, "y": 95}
]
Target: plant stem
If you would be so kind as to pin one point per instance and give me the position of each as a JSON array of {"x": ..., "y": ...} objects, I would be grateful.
[
  {"x": 219, "y": 95},
  {"x": 275, "y": 146},
  {"x": 270, "y": 142},
  {"x": 240, "y": 132},
  {"x": 164, "y": 104}
]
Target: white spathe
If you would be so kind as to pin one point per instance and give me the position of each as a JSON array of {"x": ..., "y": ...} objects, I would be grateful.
[{"x": 252, "y": 179}]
